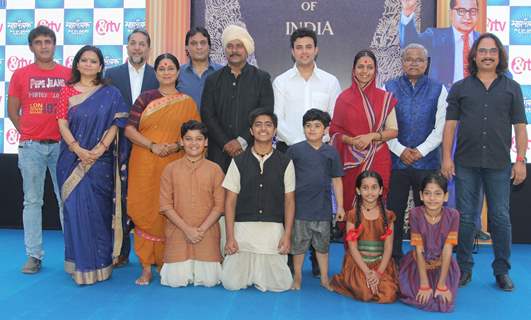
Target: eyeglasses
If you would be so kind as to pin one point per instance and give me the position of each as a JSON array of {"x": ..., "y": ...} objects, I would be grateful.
[
  {"x": 462, "y": 12},
  {"x": 417, "y": 60},
  {"x": 484, "y": 51}
]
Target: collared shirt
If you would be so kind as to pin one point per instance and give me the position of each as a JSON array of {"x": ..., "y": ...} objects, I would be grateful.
[
  {"x": 192, "y": 84},
  {"x": 135, "y": 80},
  {"x": 232, "y": 178},
  {"x": 434, "y": 139},
  {"x": 294, "y": 96},
  {"x": 485, "y": 117}
]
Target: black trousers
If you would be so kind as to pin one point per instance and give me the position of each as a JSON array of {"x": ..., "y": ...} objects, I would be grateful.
[{"x": 401, "y": 182}]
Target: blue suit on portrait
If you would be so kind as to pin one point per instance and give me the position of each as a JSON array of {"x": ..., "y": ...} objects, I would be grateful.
[
  {"x": 119, "y": 77},
  {"x": 441, "y": 48}
]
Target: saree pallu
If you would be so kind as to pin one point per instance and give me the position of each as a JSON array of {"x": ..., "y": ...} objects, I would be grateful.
[
  {"x": 160, "y": 122},
  {"x": 87, "y": 191},
  {"x": 357, "y": 112}
]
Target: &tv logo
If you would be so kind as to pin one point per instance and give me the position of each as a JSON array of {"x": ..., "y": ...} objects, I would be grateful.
[
  {"x": 69, "y": 61},
  {"x": 105, "y": 26},
  {"x": 16, "y": 62},
  {"x": 53, "y": 25},
  {"x": 12, "y": 136},
  {"x": 520, "y": 65},
  {"x": 496, "y": 25}
]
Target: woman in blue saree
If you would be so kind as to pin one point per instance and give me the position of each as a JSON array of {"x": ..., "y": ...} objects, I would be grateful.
[{"x": 89, "y": 114}]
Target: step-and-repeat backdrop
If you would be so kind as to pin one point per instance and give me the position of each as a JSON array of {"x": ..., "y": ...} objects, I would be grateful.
[
  {"x": 510, "y": 20},
  {"x": 104, "y": 23}
]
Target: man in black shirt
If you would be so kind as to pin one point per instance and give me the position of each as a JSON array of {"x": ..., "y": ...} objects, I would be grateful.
[
  {"x": 230, "y": 94},
  {"x": 485, "y": 104}
]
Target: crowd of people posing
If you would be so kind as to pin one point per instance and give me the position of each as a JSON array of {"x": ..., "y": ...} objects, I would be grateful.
[{"x": 224, "y": 174}]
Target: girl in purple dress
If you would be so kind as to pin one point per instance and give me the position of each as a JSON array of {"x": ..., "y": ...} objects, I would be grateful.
[{"x": 429, "y": 274}]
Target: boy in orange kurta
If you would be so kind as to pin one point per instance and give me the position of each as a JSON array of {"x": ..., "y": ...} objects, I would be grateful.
[{"x": 192, "y": 199}]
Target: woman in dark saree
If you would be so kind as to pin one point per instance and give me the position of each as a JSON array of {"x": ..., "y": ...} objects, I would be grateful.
[{"x": 89, "y": 114}]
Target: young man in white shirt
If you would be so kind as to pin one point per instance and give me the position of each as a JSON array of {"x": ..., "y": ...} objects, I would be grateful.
[{"x": 300, "y": 89}]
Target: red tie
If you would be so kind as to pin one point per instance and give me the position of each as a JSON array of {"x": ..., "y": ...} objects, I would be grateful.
[{"x": 466, "y": 50}]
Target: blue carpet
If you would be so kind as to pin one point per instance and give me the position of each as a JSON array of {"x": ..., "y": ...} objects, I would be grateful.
[{"x": 52, "y": 294}]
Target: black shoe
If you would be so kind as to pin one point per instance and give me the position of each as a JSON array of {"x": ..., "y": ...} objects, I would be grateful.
[
  {"x": 465, "y": 278},
  {"x": 316, "y": 271},
  {"x": 504, "y": 282},
  {"x": 482, "y": 236}
]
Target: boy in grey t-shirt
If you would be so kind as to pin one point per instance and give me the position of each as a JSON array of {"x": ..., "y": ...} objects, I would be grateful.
[{"x": 317, "y": 168}]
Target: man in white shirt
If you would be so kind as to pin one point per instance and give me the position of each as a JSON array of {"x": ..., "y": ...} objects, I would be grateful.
[
  {"x": 302, "y": 88},
  {"x": 131, "y": 78},
  {"x": 298, "y": 90}
]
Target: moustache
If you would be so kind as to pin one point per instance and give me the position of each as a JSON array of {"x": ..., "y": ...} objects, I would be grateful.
[{"x": 487, "y": 59}]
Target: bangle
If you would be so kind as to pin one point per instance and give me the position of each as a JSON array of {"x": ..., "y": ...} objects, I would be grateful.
[
  {"x": 424, "y": 288},
  {"x": 72, "y": 144},
  {"x": 104, "y": 145},
  {"x": 442, "y": 290},
  {"x": 521, "y": 159}
]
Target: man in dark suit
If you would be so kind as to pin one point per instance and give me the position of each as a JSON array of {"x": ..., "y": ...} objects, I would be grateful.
[
  {"x": 131, "y": 78},
  {"x": 447, "y": 46}
]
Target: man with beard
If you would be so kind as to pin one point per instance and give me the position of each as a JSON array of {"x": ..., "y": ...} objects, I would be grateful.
[{"x": 131, "y": 78}]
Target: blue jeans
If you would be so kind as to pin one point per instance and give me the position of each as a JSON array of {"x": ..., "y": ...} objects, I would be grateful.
[
  {"x": 33, "y": 159},
  {"x": 497, "y": 186}
]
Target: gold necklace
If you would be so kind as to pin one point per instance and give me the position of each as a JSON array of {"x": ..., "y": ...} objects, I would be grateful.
[{"x": 433, "y": 219}]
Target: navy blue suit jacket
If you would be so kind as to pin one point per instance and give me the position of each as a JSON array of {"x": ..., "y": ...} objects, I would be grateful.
[
  {"x": 119, "y": 77},
  {"x": 441, "y": 48}
]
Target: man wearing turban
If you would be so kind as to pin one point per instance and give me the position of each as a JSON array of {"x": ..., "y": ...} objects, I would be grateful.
[{"x": 230, "y": 94}]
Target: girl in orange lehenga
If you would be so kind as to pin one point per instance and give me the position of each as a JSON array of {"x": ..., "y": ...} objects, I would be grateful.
[
  {"x": 154, "y": 128},
  {"x": 368, "y": 272}
]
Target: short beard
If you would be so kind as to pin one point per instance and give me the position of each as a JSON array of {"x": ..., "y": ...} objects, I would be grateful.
[{"x": 137, "y": 60}]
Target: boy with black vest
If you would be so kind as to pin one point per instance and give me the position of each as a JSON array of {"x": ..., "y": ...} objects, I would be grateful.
[{"x": 259, "y": 212}]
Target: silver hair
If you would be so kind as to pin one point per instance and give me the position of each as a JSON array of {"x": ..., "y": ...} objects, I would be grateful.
[{"x": 413, "y": 46}]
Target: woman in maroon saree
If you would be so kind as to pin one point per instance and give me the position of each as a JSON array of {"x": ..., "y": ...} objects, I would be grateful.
[{"x": 364, "y": 118}]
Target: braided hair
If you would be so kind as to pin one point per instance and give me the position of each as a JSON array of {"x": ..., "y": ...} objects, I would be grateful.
[{"x": 358, "y": 199}]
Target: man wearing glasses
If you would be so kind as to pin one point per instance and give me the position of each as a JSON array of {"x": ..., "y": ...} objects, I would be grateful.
[
  {"x": 420, "y": 113},
  {"x": 486, "y": 105},
  {"x": 448, "y": 47}
]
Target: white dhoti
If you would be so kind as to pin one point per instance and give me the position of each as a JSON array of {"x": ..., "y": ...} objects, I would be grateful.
[
  {"x": 198, "y": 273},
  {"x": 257, "y": 262}
]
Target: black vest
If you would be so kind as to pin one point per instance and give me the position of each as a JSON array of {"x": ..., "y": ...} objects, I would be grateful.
[{"x": 261, "y": 195}]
